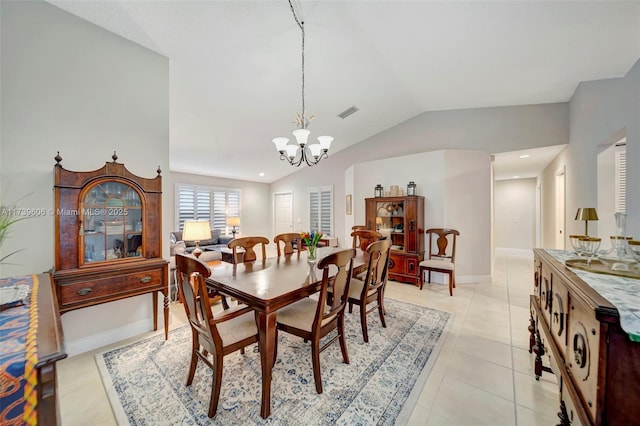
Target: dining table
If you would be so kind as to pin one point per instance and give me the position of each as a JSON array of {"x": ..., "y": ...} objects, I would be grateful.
[{"x": 267, "y": 285}]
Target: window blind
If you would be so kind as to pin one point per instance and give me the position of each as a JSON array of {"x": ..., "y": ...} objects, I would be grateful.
[
  {"x": 207, "y": 203},
  {"x": 321, "y": 209},
  {"x": 621, "y": 177}
]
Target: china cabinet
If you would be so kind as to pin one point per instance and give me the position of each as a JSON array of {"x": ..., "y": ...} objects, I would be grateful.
[
  {"x": 108, "y": 237},
  {"x": 401, "y": 219}
]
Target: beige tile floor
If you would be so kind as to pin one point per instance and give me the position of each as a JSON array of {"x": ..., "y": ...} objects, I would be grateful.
[{"x": 483, "y": 375}]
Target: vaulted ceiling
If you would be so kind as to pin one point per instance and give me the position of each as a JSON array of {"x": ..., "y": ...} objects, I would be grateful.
[{"x": 235, "y": 72}]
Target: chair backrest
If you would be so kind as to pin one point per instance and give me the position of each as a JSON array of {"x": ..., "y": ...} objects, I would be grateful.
[
  {"x": 191, "y": 273},
  {"x": 445, "y": 243},
  {"x": 288, "y": 238},
  {"x": 343, "y": 261},
  {"x": 248, "y": 243},
  {"x": 359, "y": 228},
  {"x": 377, "y": 270},
  {"x": 362, "y": 238}
]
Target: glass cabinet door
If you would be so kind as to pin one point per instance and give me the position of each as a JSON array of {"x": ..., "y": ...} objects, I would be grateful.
[
  {"x": 390, "y": 222},
  {"x": 112, "y": 226}
]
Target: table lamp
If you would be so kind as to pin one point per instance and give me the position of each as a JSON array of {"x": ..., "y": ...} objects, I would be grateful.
[
  {"x": 233, "y": 221},
  {"x": 586, "y": 214},
  {"x": 378, "y": 222},
  {"x": 195, "y": 230}
]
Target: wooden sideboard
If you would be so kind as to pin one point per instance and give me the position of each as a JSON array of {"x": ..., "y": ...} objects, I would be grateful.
[
  {"x": 49, "y": 346},
  {"x": 577, "y": 332}
]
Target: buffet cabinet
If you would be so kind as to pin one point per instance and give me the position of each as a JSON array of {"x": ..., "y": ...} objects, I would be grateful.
[
  {"x": 401, "y": 219},
  {"x": 576, "y": 335},
  {"x": 108, "y": 226}
]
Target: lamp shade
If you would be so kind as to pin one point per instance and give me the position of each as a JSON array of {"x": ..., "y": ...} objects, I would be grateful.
[
  {"x": 586, "y": 213},
  {"x": 195, "y": 230},
  {"x": 233, "y": 221}
]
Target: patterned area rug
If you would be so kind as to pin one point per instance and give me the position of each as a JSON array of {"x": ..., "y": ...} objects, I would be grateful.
[{"x": 145, "y": 380}]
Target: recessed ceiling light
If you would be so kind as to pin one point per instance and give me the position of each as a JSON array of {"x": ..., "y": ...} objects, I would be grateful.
[
  {"x": 524, "y": 156},
  {"x": 516, "y": 177},
  {"x": 261, "y": 174}
]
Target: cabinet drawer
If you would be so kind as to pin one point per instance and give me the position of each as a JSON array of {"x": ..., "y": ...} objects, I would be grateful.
[
  {"x": 569, "y": 406},
  {"x": 583, "y": 349},
  {"x": 397, "y": 264},
  {"x": 111, "y": 287},
  {"x": 546, "y": 294},
  {"x": 559, "y": 314}
]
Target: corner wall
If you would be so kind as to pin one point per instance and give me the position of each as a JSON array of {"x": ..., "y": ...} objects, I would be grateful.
[
  {"x": 601, "y": 112},
  {"x": 70, "y": 86}
]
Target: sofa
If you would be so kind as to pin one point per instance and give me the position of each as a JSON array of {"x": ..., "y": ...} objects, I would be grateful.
[{"x": 209, "y": 252}]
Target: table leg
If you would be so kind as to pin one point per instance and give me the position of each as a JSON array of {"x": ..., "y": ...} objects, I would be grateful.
[{"x": 267, "y": 336}]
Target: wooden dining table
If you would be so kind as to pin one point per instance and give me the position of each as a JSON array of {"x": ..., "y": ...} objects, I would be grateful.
[{"x": 268, "y": 285}]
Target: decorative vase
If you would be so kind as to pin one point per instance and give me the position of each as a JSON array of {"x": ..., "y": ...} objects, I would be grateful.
[{"x": 312, "y": 253}]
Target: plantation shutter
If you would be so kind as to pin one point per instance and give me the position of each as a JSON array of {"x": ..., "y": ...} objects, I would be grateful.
[
  {"x": 193, "y": 203},
  {"x": 621, "y": 177},
  {"x": 225, "y": 203},
  {"x": 206, "y": 203},
  {"x": 321, "y": 209}
]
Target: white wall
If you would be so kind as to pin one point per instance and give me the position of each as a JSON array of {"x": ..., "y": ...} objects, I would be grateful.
[
  {"x": 602, "y": 112},
  {"x": 455, "y": 184},
  {"x": 515, "y": 213},
  {"x": 255, "y": 201},
  {"x": 70, "y": 86},
  {"x": 490, "y": 130}
]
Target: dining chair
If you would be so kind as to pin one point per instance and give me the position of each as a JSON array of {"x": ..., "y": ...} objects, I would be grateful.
[
  {"x": 288, "y": 239},
  {"x": 313, "y": 319},
  {"x": 248, "y": 244},
  {"x": 371, "y": 289},
  {"x": 231, "y": 330},
  {"x": 363, "y": 237},
  {"x": 442, "y": 255}
]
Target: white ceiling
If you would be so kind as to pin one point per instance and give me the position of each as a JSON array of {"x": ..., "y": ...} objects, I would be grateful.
[{"x": 236, "y": 80}]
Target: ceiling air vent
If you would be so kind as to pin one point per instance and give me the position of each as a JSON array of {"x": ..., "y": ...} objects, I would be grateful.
[{"x": 347, "y": 112}]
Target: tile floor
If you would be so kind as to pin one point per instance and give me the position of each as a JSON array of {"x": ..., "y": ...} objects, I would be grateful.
[{"x": 483, "y": 375}]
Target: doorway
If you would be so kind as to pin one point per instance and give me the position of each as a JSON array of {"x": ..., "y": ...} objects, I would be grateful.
[
  {"x": 560, "y": 209},
  {"x": 282, "y": 212}
]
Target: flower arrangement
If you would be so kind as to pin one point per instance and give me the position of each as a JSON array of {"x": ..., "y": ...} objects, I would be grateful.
[{"x": 311, "y": 241}]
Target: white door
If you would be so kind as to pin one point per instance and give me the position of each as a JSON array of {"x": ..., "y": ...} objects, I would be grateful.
[
  {"x": 282, "y": 212},
  {"x": 560, "y": 219}
]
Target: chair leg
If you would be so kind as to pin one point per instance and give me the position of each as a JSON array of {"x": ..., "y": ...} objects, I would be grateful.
[
  {"x": 342, "y": 340},
  {"x": 451, "y": 285},
  {"x": 315, "y": 360},
  {"x": 381, "y": 310},
  {"x": 350, "y": 307},
  {"x": 215, "y": 386},
  {"x": 421, "y": 278},
  {"x": 363, "y": 322},
  {"x": 194, "y": 360}
]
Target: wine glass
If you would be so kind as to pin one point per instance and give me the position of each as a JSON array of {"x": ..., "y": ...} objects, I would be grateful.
[
  {"x": 590, "y": 247},
  {"x": 575, "y": 243}
]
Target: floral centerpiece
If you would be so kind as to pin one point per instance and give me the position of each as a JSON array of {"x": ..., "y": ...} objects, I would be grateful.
[{"x": 311, "y": 241}]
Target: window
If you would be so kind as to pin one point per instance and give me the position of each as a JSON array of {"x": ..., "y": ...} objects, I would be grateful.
[
  {"x": 621, "y": 176},
  {"x": 195, "y": 202},
  {"x": 321, "y": 209}
]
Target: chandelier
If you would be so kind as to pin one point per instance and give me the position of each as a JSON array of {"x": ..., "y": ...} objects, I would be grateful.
[{"x": 311, "y": 153}]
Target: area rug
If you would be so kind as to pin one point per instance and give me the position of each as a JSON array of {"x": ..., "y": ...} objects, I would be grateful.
[{"x": 145, "y": 380}]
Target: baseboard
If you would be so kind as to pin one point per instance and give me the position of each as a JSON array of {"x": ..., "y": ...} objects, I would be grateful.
[
  {"x": 514, "y": 251},
  {"x": 94, "y": 341},
  {"x": 438, "y": 278}
]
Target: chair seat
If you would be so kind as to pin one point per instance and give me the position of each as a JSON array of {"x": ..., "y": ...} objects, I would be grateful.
[
  {"x": 439, "y": 264},
  {"x": 355, "y": 289},
  {"x": 237, "y": 329},
  {"x": 299, "y": 314}
]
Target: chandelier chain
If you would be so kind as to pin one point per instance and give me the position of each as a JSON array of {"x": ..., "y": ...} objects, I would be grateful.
[{"x": 301, "y": 25}]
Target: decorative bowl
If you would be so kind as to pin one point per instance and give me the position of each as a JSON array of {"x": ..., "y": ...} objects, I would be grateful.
[{"x": 634, "y": 249}]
